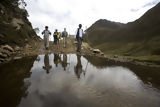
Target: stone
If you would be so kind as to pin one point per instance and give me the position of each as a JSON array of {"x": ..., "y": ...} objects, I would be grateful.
[
  {"x": 2, "y": 12},
  {"x": 26, "y": 40},
  {"x": 16, "y": 58},
  {"x": 102, "y": 54},
  {"x": 2, "y": 60},
  {"x": 17, "y": 23},
  {"x": 28, "y": 46},
  {"x": 96, "y": 51},
  {"x": 3, "y": 55},
  {"x": 115, "y": 56},
  {"x": 17, "y": 48},
  {"x": 75, "y": 42},
  {"x": 7, "y": 47},
  {"x": 6, "y": 52}
]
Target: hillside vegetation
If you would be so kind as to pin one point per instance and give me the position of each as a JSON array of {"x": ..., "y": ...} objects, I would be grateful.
[
  {"x": 140, "y": 39},
  {"x": 15, "y": 29}
]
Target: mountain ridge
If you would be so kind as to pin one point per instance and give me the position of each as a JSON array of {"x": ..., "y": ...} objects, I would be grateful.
[{"x": 138, "y": 38}]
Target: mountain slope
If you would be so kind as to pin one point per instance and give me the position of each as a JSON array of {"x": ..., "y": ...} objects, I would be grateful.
[
  {"x": 99, "y": 31},
  {"x": 15, "y": 28},
  {"x": 138, "y": 38}
]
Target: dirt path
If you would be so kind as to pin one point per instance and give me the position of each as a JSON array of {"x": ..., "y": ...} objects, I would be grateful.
[{"x": 36, "y": 48}]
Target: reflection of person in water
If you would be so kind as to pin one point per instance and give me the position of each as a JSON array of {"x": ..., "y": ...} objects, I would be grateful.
[
  {"x": 57, "y": 59},
  {"x": 47, "y": 65},
  {"x": 78, "y": 67},
  {"x": 64, "y": 61}
]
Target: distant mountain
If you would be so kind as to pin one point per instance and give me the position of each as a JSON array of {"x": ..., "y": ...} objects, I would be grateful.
[
  {"x": 98, "y": 32},
  {"x": 138, "y": 38},
  {"x": 106, "y": 24}
]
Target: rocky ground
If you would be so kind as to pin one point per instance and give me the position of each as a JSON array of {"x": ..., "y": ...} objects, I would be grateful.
[{"x": 8, "y": 53}]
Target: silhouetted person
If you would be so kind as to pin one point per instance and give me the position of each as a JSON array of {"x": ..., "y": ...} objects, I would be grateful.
[
  {"x": 55, "y": 35},
  {"x": 79, "y": 34},
  {"x": 64, "y": 35},
  {"x": 57, "y": 59},
  {"x": 64, "y": 61},
  {"x": 78, "y": 67},
  {"x": 46, "y": 34},
  {"x": 47, "y": 65}
]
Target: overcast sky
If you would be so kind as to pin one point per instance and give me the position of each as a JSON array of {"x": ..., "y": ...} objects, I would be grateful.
[{"x": 58, "y": 14}]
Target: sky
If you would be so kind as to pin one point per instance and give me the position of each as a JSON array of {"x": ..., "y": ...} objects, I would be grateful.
[{"x": 60, "y": 14}]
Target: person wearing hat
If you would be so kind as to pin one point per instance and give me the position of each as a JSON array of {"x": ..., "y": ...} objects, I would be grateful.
[
  {"x": 64, "y": 35},
  {"x": 55, "y": 35},
  {"x": 46, "y": 34},
  {"x": 79, "y": 34}
]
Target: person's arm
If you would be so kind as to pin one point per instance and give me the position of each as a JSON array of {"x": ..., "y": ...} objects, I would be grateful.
[
  {"x": 67, "y": 34},
  {"x": 50, "y": 33},
  {"x": 83, "y": 32},
  {"x": 76, "y": 33}
]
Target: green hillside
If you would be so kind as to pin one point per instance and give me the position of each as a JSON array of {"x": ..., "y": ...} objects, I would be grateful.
[{"x": 140, "y": 38}]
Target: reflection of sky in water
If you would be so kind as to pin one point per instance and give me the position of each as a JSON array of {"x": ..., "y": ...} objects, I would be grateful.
[{"x": 96, "y": 87}]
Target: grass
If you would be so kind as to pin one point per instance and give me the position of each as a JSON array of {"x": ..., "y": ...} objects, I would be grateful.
[{"x": 139, "y": 39}]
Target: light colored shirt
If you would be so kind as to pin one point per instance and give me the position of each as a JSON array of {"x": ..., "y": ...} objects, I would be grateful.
[
  {"x": 64, "y": 34},
  {"x": 46, "y": 33},
  {"x": 81, "y": 33}
]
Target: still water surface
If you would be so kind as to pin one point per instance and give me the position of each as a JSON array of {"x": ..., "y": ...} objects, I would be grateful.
[{"x": 54, "y": 80}]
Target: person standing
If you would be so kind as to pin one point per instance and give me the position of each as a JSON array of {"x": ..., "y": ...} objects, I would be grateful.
[
  {"x": 55, "y": 35},
  {"x": 64, "y": 35},
  {"x": 46, "y": 34},
  {"x": 58, "y": 37},
  {"x": 79, "y": 35}
]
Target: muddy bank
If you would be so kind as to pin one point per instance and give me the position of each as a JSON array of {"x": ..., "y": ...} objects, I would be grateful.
[{"x": 32, "y": 48}]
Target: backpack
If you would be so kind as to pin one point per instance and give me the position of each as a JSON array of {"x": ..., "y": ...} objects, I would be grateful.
[
  {"x": 58, "y": 36},
  {"x": 77, "y": 35}
]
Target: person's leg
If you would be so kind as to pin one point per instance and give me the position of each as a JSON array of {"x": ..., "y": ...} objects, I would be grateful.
[
  {"x": 64, "y": 42},
  {"x": 56, "y": 41},
  {"x": 78, "y": 44},
  {"x": 47, "y": 44}
]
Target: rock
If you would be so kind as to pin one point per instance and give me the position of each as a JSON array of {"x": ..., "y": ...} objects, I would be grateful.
[
  {"x": 97, "y": 51},
  {"x": 16, "y": 58},
  {"x": 17, "y": 23},
  {"x": 3, "y": 55},
  {"x": 2, "y": 60},
  {"x": 17, "y": 48},
  {"x": 2, "y": 12},
  {"x": 115, "y": 56},
  {"x": 102, "y": 54},
  {"x": 6, "y": 52},
  {"x": 75, "y": 42},
  {"x": 26, "y": 40},
  {"x": 7, "y": 47},
  {"x": 28, "y": 46},
  {"x": 91, "y": 49}
]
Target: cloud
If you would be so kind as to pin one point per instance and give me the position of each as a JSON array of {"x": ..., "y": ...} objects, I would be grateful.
[
  {"x": 134, "y": 10},
  {"x": 151, "y": 3},
  {"x": 58, "y": 14}
]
